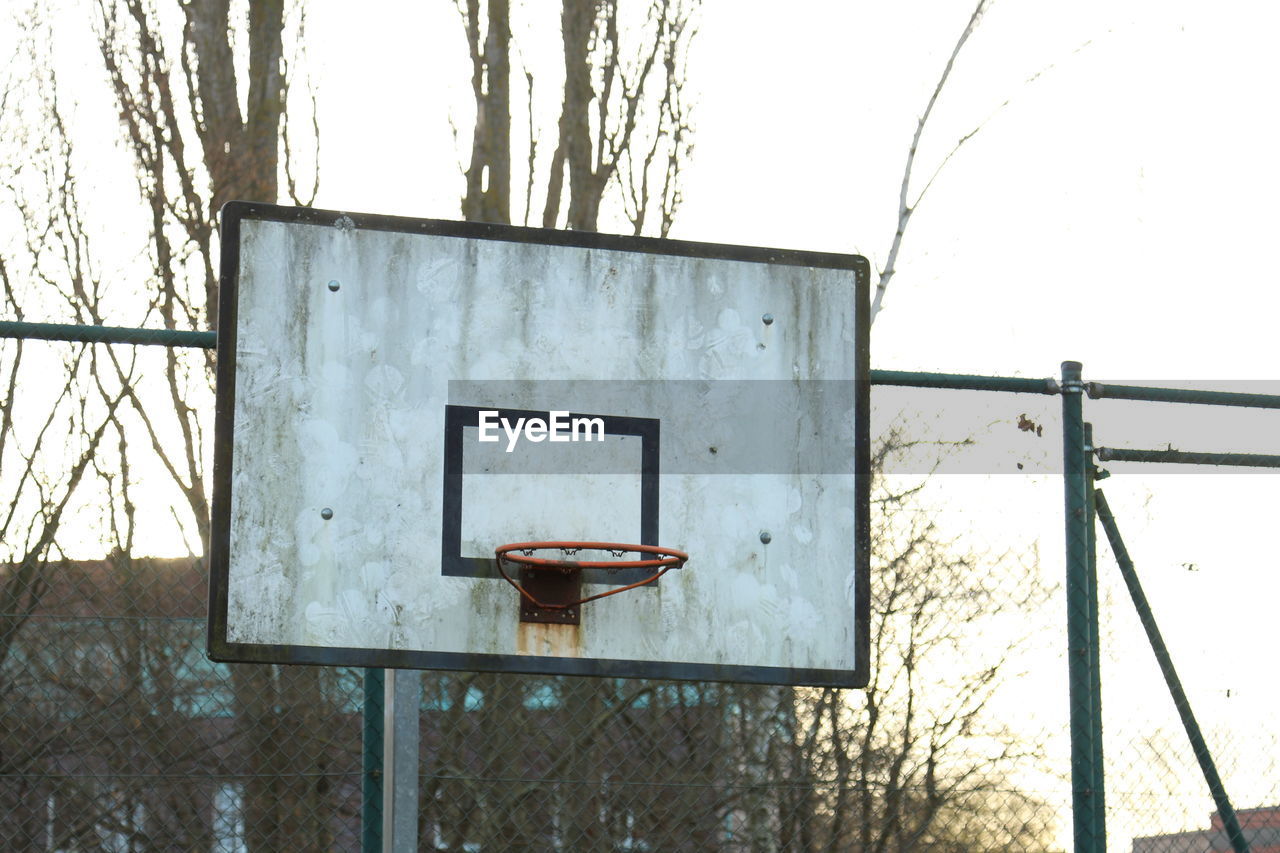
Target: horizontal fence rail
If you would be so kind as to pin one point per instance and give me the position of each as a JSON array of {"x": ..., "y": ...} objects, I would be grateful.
[
  {"x": 1187, "y": 457},
  {"x": 107, "y": 334},
  {"x": 964, "y": 382},
  {"x": 901, "y": 378},
  {"x": 1099, "y": 391}
]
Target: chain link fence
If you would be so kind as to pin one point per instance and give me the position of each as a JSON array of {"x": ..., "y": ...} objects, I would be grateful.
[{"x": 117, "y": 733}]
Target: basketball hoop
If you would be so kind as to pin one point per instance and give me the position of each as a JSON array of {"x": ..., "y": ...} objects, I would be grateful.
[{"x": 559, "y": 580}]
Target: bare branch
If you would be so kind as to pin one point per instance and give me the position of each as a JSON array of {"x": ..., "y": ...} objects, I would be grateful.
[
  {"x": 904, "y": 208},
  {"x": 290, "y": 183},
  {"x": 533, "y": 152},
  {"x": 982, "y": 124}
]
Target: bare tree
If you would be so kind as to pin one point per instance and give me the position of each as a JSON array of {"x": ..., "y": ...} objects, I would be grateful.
[
  {"x": 623, "y": 132},
  {"x": 894, "y": 768},
  {"x": 47, "y": 462},
  {"x": 199, "y": 132},
  {"x": 614, "y": 155},
  {"x": 914, "y": 761},
  {"x": 195, "y": 147},
  {"x": 43, "y": 461}
]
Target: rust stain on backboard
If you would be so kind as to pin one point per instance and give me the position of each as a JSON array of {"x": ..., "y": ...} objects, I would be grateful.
[{"x": 546, "y": 639}]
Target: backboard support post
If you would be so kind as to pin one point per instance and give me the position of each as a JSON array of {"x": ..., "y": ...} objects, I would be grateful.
[{"x": 402, "y": 706}]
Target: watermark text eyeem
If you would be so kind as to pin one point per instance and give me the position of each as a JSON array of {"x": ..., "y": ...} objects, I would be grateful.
[{"x": 558, "y": 427}]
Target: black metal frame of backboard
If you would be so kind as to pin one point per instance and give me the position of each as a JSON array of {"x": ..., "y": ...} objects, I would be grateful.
[{"x": 222, "y": 648}]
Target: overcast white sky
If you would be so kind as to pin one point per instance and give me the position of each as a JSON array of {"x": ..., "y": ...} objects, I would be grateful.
[{"x": 1118, "y": 211}]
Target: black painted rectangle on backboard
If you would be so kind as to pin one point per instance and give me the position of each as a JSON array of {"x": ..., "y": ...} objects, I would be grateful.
[{"x": 460, "y": 420}]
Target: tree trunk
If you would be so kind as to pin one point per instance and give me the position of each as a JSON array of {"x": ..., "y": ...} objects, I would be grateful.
[{"x": 488, "y": 197}]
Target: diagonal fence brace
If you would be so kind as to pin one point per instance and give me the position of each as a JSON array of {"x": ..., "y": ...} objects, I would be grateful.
[{"x": 1219, "y": 793}]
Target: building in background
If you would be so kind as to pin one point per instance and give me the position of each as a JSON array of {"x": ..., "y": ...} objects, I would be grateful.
[
  {"x": 118, "y": 733},
  {"x": 1261, "y": 830}
]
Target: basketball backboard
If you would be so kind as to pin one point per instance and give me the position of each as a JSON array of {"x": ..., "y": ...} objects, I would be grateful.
[{"x": 398, "y": 397}]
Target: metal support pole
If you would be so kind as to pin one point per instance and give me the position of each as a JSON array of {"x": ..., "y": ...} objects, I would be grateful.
[
  {"x": 371, "y": 778},
  {"x": 1198, "y": 746},
  {"x": 1084, "y": 804},
  {"x": 400, "y": 790},
  {"x": 1095, "y": 652}
]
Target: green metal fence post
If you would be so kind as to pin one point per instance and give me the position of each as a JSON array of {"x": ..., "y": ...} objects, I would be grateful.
[
  {"x": 1079, "y": 655},
  {"x": 1095, "y": 650},
  {"x": 1198, "y": 746},
  {"x": 371, "y": 778}
]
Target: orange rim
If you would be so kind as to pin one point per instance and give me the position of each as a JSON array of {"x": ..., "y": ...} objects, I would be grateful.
[
  {"x": 665, "y": 559},
  {"x": 668, "y": 557}
]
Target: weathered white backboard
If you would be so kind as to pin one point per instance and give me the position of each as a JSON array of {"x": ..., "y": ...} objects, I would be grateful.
[{"x": 356, "y": 508}]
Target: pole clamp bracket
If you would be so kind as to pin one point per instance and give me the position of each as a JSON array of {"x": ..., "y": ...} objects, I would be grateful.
[{"x": 1074, "y": 386}]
